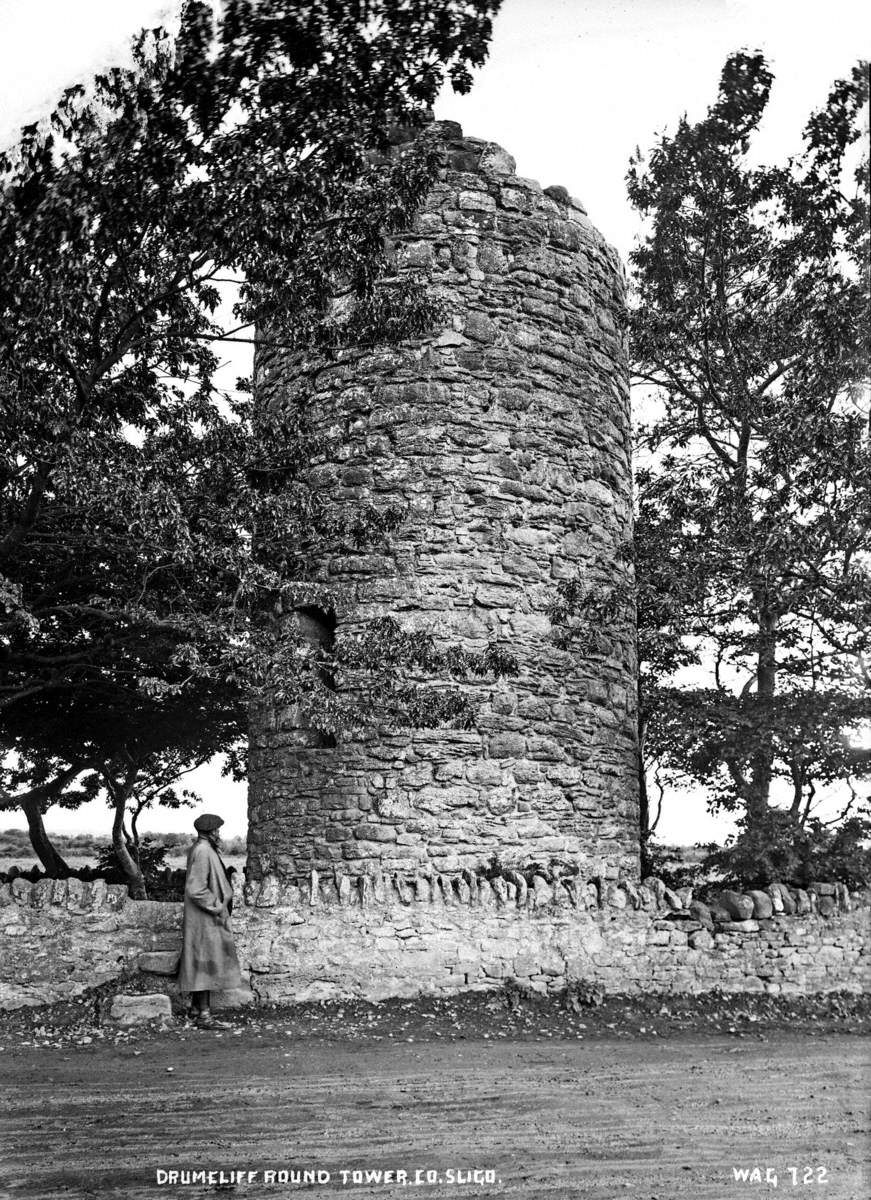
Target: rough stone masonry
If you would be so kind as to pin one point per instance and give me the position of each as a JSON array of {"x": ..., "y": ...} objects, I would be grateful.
[
  {"x": 372, "y": 937},
  {"x": 506, "y": 436}
]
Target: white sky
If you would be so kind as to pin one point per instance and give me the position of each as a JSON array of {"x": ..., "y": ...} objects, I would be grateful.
[{"x": 570, "y": 89}]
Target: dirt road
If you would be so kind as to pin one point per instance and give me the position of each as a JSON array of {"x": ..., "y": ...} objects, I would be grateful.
[{"x": 655, "y": 1119}]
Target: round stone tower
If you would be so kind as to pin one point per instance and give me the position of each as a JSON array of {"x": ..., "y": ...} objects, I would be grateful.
[{"x": 506, "y": 435}]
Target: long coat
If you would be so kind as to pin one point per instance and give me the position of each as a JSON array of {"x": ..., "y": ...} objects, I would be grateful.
[{"x": 208, "y": 956}]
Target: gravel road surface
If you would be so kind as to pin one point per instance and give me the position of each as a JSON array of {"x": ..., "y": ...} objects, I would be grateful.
[{"x": 661, "y": 1118}]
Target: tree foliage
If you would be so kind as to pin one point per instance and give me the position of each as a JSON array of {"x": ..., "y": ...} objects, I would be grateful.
[
  {"x": 149, "y": 522},
  {"x": 777, "y": 849},
  {"x": 753, "y": 535}
]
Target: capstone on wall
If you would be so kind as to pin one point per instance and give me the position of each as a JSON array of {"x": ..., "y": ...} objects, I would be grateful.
[{"x": 506, "y": 436}]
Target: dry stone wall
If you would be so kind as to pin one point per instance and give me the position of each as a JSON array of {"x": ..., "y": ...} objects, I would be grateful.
[
  {"x": 374, "y": 937},
  {"x": 506, "y": 437},
  {"x": 59, "y": 937}
]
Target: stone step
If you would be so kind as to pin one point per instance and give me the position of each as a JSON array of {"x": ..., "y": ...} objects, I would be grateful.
[
  {"x": 159, "y": 962},
  {"x": 130, "y": 1010}
]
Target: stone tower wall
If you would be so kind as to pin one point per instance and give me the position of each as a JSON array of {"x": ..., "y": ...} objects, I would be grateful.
[{"x": 507, "y": 435}]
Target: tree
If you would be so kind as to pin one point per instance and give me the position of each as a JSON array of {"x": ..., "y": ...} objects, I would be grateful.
[
  {"x": 135, "y": 748},
  {"x": 148, "y": 526},
  {"x": 754, "y": 506},
  {"x": 237, "y": 152},
  {"x": 33, "y": 784}
]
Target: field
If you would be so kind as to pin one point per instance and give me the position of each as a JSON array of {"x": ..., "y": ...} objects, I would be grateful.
[
  {"x": 83, "y": 850},
  {"x": 175, "y": 861}
]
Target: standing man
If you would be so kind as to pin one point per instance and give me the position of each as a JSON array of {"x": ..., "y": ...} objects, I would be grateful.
[{"x": 208, "y": 956}]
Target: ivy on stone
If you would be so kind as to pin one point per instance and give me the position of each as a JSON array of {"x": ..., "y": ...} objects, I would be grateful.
[{"x": 150, "y": 522}]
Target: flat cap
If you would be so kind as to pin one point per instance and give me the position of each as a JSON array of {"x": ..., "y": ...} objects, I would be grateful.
[{"x": 207, "y": 823}]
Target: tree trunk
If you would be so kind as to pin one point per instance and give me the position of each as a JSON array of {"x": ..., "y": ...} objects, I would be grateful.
[
  {"x": 135, "y": 879},
  {"x": 643, "y": 799},
  {"x": 52, "y": 863},
  {"x": 762, "y": 761}
]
